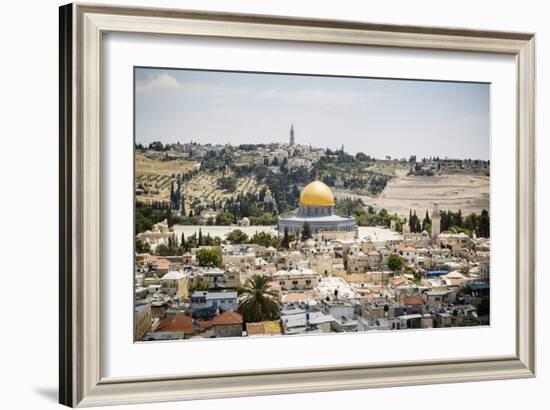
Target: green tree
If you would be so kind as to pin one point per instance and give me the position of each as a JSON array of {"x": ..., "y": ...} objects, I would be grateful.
[
  {"x": 459, "y": 221},
  {"x": 306, "y": 231},
  {"x": 265, "y": 239},
  {"x": 414, "y": 222},
  {"x": 258, "y": 303},
  {"x": 142, "y": 247},
  {"x": 264, "y": 219},
  {"x": 395, "y": 262},
  {"x": 209, "y": 257},
  {"x": 164, "y": 250},
  {"x": 200, "y": 284},
  {"x": 227, "y": 183},
  {"x": 285, "y": 242},
  {"x": 224, "y": 218},
  {"x": 237, "y": 237},
  {"x": 471, "y": 222},
  {"x": 484, "y": 229}
]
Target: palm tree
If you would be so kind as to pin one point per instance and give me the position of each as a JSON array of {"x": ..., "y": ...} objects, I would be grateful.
[{"x": 257, "y": 303}]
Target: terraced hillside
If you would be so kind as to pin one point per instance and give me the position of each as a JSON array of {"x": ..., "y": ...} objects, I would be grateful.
[
  {"x": 204, "y": 187},
  {"x": 154, "y": 178},
  {"x": 452, "y": 192}
]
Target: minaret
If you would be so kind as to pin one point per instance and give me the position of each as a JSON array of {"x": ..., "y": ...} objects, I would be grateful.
[
  {"x": 436, "y": 221},
  {"x": 291, "y": 135}
]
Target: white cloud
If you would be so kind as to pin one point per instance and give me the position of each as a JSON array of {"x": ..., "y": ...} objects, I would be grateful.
[
  {"x": 165, "y": 85},
  {"x": 161, "y": 84}
]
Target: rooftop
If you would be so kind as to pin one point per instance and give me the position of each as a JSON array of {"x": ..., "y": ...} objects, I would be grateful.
[
  {"x": 177, "y": 323},
  {"x": 174, "y": 275},
  {"x": 413, "y": 300},
  {"x": 317, "y": 193},
  {"x": 264, "y": 328},
  {"x": 214, "y": 295},
  {"x": 228, "y": 318}
]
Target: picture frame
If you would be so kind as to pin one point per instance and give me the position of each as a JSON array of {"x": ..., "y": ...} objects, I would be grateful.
[{"x": 82, "y": 28}]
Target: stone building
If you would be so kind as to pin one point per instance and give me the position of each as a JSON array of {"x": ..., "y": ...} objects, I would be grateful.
[
  {"x": 175, "y": 284},
  {"x": 142, "y": 320},
  {"x": 317, "y": 210},
  {"x": 228, "y": 324},
  {"x": 295, "y": 279}
]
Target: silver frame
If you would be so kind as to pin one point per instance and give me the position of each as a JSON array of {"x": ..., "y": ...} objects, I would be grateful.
[{"x": 81, "y": 30}]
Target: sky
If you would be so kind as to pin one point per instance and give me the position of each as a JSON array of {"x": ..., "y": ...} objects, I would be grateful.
[{"x": 380, "y": 117}]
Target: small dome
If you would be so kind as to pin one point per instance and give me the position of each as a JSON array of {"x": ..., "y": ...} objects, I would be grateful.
[{"x": 317, "y": 194}]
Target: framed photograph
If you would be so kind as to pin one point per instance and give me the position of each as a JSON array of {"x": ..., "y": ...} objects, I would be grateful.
[{"x": 258, "y": 205}]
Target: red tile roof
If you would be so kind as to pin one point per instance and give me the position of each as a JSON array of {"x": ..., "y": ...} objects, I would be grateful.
[
  {"x": 255, "y": 328},
  {"x": 228, "y": 318},
  {"x": 162, "y": 264},
  {"x": 413, "y": 300},
  {"x": 398, "y": 281},
  {"x": 177, "y": 323},
  {"x": 205, "y": 324}
]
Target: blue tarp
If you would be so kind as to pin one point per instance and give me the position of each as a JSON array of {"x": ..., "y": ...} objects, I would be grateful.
[{"x": 436, "y": 272}]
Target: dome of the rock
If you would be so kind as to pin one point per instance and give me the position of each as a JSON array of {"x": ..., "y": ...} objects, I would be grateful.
[{"x": 317, "y": 194}]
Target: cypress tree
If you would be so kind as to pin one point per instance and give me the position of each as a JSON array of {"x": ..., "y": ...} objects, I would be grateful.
[
  {"x": 306, "y": 231},
  {"x": 459, "y": 221},
  {"x": 285, "y": 243},
  {"x": 484, "y": 229}
]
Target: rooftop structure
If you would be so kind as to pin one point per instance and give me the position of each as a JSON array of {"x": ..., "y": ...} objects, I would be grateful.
[
  {"x": 267, "y": 328},
  {"x": 317, "y": 210}
]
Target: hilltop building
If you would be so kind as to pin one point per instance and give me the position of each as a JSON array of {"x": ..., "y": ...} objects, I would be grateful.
[{"x": 317, "y": 210}]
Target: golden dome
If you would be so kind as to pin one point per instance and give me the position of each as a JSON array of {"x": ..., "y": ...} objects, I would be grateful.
[{"x": 316, "y": 194}]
